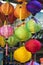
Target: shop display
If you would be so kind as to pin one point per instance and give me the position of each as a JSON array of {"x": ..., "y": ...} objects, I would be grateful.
[{"x": 18, "y": 27}]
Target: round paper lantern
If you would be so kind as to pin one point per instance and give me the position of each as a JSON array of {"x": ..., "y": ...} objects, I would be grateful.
[
  {"x": 11, "y": 18},
  {"x": 22, "y": 55},
  {"x": 32, "y": 26},
  {"x": 22, "y": 33},
  {"x": 21, "y": 11},
  {"x": 40, "y": 19},
  {"x": 33, "y": 45},
  {"x": 34, "y": 7},
  {"x": 2, "y": 17},
  {"x": 2, "y": 41},
  {"x": 7, "y": 8},
  {"x": 34, "y": 63},
  {"x": 21, "y": 0},
  {"x": 6, "y": 31},
  {"x": 12, "y": 41},
  {"x": 41, "y": 60}
]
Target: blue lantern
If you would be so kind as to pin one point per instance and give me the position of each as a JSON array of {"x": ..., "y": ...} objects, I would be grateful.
[{"x": 34, "y": 7}]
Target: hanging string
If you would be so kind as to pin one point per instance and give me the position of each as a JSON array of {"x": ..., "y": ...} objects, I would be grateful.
[
  {"x": 10, "y": 55},
  {"x": 5, "y": 22},
  {"x": 20, "y": 13}
]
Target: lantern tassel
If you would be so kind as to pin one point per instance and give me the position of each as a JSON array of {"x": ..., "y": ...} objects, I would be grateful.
[
  {"x": 20, "y": 13},
  {"x": 6, "y": 50},
  {"x": 32, "y": 62}
]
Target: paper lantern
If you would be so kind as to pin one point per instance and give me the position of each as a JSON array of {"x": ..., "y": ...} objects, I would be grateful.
[
  {"x": 40, "y": 19},
  {"x": 33, "y": 26},
  {"x": 22, "y": 55},
  {"x": 2, "y": 41},
  {"x": 41, "y": 60},
  {"x": 34, "y": 7},
  {"x": 22, "y": 33},
  {"x": 7, "y": 8},
  {"x": 6, "y": 31},
  {"x": 21, "y": 11},
  {"x": 33, "y": 45},
  {"x": 12, "y": 41},
  {"x": 34, "y": 63},
  {"x": 2, "y": 17},
  {"x": 11, "y": 18}
]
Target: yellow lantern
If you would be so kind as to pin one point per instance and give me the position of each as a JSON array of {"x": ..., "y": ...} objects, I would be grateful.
[
  {"x": 2, "y": 41},
  {"x": 22, "y": 55}
]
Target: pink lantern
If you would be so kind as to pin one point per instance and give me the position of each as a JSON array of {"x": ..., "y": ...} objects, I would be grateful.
[{"x": 6, "y": 31}]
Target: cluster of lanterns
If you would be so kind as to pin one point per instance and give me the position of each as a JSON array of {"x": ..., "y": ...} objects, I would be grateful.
[{"x": 23, "y": 32}]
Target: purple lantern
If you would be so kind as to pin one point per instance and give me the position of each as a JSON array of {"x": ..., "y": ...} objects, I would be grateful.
[
  {"x": 34, "y": 63},
  {"x": 34, "y": 7}
]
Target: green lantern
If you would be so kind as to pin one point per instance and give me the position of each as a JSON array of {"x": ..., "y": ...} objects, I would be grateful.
[
  {"x": 22, "y": 33},
  {"x": 32, "y": 26},
  {"x": 12, "y": 41},
  {"x": 22, "y": 55}
]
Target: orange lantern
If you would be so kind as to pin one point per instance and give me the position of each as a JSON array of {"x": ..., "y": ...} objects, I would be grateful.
[
  {"x": 41, "y": 60},
  {"x": 7, "y": 8},
  {"x": 21, "y": 11}
]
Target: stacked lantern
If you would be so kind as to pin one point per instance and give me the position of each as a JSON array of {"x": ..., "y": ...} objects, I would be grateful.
[{"x": 23, "y": 32}]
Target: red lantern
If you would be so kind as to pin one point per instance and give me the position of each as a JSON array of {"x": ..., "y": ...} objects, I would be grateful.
[
  {"x": 33, "y": 45},
  {"x": 11, "y": 18},
  {"x": 2, "y": 19}
]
